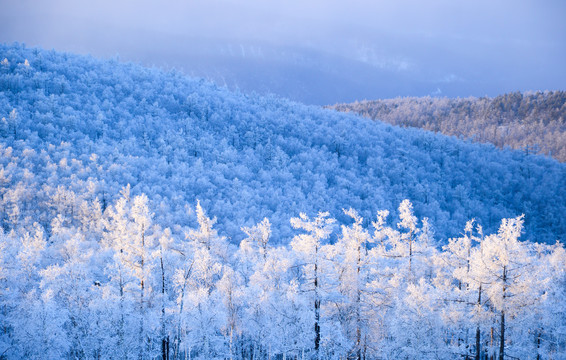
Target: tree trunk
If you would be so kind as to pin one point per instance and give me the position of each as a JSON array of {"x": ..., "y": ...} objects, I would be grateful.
[
  {"x": 538, "y": 344},
  {"x": 502, "y": 330},
  {"x": 142, "y": 287},
  {"x": 164, "y": 337},
  {"x": 478, "y": 332},
  {"x": 165, "y": 349},
  {"x": 181, "y": 302},
  {"x": 502, "y": 343},
  {"x": 316, "y": 312},
  {"x": 411, "y": 255},
  {"x": 491, "y": 345},
  {"x": 358, "y": 310},
  {"x": 121, "y": 324}
]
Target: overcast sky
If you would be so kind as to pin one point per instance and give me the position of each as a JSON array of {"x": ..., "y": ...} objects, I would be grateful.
[{"x": 499, "y": 45}]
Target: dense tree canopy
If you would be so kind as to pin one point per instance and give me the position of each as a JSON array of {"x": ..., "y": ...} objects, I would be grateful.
[
  {"x": 534, "y": 122},
  {"x": 75, "y": 129}
]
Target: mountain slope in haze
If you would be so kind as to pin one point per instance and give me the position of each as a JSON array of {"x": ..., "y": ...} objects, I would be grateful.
[
  {"x": 534, "y": 122},
  {"x": 298, "y": 73},
  {"x": 75, "y": 129},
  {"x": 303, "y": 75}
]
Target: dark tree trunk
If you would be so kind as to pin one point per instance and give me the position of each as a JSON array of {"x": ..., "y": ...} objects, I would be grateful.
[
  {"x": 478, "y": 332},
  {"x": 502, "y": 342},
  {"x": 165, "y": 338},
  {"x": 165, "y": 349},
  {"x": 142, "y": 288},
  {"x": 491, "y": 345},
  {"x": 316, "y": 313},
  {"x": 358, "y": 310},
  {"x": 538, "y": 344}
]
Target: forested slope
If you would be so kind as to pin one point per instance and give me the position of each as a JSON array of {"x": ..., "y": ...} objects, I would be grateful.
[
  {"x": 77, "y": 129},
  {"x": 125, "y": 192},
  {"x": 534, "y": 122}
]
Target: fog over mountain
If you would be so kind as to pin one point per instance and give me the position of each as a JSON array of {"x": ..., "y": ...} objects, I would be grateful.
[{"x": 320, "y": 52}]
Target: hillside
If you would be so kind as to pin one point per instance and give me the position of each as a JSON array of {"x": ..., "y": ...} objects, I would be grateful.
[
  {"x": 148, "y": 215},
  {"x": 534, "y": 122},
  {"x": 78, "y": 129}
]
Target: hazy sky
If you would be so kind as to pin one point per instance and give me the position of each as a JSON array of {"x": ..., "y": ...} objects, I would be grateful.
[{"x": 498, "y": 45}]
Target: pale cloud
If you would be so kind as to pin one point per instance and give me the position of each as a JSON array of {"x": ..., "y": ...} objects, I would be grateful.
[{"x": 497, "y": 45}]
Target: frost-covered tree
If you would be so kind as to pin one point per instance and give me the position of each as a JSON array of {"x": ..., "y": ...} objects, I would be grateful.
[
  {"x": 163, "y": 255},
  {"x": 550, "y": 340},
  {"x": 118, "y": 233},
  {"x": 70, "y": 285},
  {"x": 253, "y": 267},
  {"x": 409, "y": 247},
  {"x": 512, "y": 279},
  {"x": 403, "y": 285},
  {"x": 352, "y": 270},
  {"x": 26, "y": 310},
  {"x": 181, "y": 282},
  {"x": 309, "y": 250},
  {"x": 460, "y": 287},
  {"x": 201, "y": 303},
  {"x": 231, "y": 291},
  {"x": 131, "y": 242},
  {"x": 141, "y": 262}
]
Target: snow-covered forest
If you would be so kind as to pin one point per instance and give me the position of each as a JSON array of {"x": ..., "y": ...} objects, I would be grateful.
[
  {"x": 533, "y": 122},
  {"x": 75, "y": 129},
  {"x": 146, "y": 214},
  {"x": 119, "y": 286}
]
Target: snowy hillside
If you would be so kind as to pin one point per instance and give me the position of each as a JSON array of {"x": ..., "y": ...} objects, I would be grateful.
[
  {"x": 77, "y": 129},
  {"x": 146, "y": 215},
  {"x": 534, "y": 121}
]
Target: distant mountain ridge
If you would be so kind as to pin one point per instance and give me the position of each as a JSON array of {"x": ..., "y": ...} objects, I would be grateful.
[
  {"x": 534, "y": 121},
  {"x": 75, "y": 129},
  {"x": 299, "y": 73}
]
